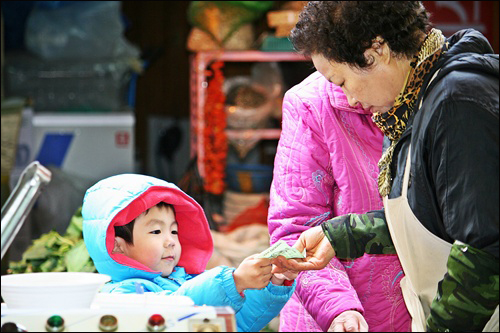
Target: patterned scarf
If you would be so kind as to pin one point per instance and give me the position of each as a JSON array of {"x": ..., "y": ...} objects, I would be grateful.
[{"x": 393, "y": 122}]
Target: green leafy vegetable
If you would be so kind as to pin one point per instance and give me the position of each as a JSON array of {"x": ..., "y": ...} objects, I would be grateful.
[{"x": 55, "y": 253}]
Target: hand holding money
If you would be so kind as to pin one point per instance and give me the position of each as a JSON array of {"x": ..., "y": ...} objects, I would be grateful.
[
  {"x": 318, "y": 253},
  {"x": 253, "y": 273},
  {"x": 281, "y": 248}
]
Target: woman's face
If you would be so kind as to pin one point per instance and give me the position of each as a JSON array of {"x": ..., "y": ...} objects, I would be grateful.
[{"x": 376, "y": 88}]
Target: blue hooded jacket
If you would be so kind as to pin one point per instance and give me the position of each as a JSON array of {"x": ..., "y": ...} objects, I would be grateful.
[{"x": 118, "y": 200}]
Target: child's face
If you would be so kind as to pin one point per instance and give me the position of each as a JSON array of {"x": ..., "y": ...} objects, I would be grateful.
[{"x": 156, "y": 240}]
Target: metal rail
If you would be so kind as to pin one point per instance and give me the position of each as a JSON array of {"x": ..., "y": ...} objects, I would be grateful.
[{"x": 21, "y": 200}]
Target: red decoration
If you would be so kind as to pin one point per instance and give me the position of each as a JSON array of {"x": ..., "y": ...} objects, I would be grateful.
[{"x": 215, "y": 139}]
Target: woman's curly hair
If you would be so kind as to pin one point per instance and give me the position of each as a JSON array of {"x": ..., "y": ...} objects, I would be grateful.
[{"x": 342, "y": 30}]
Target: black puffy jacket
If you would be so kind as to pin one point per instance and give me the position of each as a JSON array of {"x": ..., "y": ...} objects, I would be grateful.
[{"x": 454, "y": 179}]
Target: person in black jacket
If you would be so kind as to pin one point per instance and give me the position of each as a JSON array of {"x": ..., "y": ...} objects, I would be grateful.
[{"x": 436, "y": 101}]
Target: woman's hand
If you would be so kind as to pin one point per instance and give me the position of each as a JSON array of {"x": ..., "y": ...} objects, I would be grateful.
[
  {"x": 253, "y": 273},
  {"x": 349, "y": 321},
  {"x": 319, "y": 252}
]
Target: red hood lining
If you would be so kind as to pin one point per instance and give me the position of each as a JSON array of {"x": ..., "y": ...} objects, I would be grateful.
[{"x": 194, "y": 233}]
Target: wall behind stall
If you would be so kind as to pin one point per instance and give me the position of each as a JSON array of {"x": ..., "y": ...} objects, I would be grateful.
[
  {"x": 160, "y": 29},
  {"x": 451, "y": 16}
]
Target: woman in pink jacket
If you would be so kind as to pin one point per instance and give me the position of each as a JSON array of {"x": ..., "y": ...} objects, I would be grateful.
[{"x": 325, "y": 166}]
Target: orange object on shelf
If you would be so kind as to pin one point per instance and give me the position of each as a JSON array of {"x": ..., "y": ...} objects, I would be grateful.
[{"x": 215, "y": 138}]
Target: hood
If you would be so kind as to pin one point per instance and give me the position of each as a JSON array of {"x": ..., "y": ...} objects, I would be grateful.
[
  {"x": 468, "y": 50},
  {"x": 117, "y": 200},
  {"x": 314, "y": 87},
  {"x": 468, "y": 41}
]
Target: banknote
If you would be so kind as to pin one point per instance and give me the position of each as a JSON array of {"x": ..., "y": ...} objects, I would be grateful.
[{"x": 280, "y": 248}]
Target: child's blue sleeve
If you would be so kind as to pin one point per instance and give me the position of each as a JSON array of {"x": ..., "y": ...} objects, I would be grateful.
[
  {"x": 261, "y": 306},
  {"x": 214, "y": 287}
]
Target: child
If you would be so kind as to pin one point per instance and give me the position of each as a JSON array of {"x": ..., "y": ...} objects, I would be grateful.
[{"x": 142, "y": 230}]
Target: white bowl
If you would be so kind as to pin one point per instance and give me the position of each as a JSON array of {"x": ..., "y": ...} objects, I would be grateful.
[{"x": 64, "y": 290}]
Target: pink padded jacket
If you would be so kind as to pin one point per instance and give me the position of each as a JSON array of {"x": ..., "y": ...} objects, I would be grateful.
[{"x": 325, "y": 166}]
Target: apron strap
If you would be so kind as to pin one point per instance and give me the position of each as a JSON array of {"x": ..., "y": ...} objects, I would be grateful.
[{"x": 406, "y": 177}]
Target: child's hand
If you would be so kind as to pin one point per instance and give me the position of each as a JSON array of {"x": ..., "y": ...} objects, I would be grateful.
[
  {"x": 253, "y": 273},
  {"x": 279, "y": 278}
]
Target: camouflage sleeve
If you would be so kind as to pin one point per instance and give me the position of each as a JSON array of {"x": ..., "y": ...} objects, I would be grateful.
[
  {"x": 353, "y": 235},
  {"x": 468, "y": 294}
]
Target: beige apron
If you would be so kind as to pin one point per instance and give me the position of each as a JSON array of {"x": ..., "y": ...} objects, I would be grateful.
[{"x": 423, "y": 257}]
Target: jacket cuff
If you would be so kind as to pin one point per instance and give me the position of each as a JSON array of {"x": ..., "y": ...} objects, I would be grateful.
[
  {"x": 332, "y": 234},
  {"x": 283, "y": 290},
  {"x": 353, "y": 235},
  {"x": 229, "y": 286}
]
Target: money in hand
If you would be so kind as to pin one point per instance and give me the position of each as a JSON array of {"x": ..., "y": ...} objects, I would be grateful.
[{"x": 280, "y": 248}]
